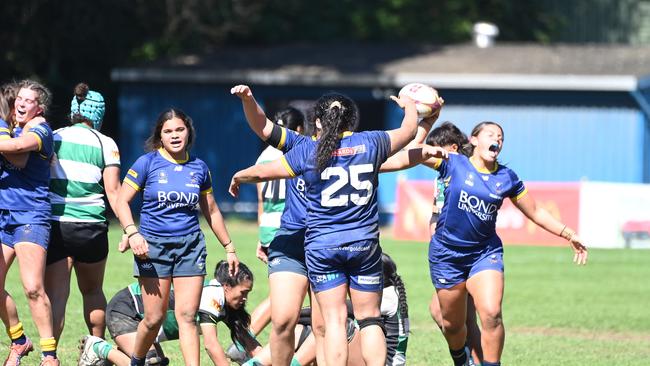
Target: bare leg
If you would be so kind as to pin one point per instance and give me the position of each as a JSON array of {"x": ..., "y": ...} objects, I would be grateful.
[
  {"x": 373, "y": 342},
  {"x": 288, "y": 291},
  {"x": 318, "y": 328},
  {"x": 486, "y": 287},
  {"x": 155, "y": 296},
  {"x": 261, "y": 316},
  {"x": 332, "y": 306},
  {"x": 8, "y": 310},
  {"x": 453, "y": 308},
  {"x": 187, "y": 291},
  {"x": 90, "y": 278},
  {"x": 473, "y": 332},
  {"x": 31, "y": 258},
  {"x": 57, "y": 287}
]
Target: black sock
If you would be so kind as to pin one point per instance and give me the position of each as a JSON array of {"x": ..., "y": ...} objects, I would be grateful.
[
  {"x": 485, "y": 363},
  {"x": 459, "y": 356},
  {"x": 137, "y": 361}
]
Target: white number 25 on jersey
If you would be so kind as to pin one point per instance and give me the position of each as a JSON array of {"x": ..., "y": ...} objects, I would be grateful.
[{"x": 342, "y": 178}]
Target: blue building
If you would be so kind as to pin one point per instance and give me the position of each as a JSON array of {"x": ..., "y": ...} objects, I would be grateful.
[{"x": 569, "y": 112}]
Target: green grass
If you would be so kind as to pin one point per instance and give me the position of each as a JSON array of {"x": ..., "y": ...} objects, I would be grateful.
[{"x": 555, "y": 313}]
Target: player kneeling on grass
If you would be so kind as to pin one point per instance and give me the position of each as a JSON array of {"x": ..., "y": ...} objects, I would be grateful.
[{"x": 222, "y": 299}]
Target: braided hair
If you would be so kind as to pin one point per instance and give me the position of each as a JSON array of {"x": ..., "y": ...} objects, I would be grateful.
[
  {"x": 391, "y": 278},
  {"x": 337, "y": 113},
  {"x": 237, "y": 320}
]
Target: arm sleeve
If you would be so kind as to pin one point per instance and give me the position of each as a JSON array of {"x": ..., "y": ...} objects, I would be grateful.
[
  {"x": 44, "y": 136},
  {"x": 294, "y": 161},
  {"x": 207, "y": 318},
  {"x": 111, "y": 152},
  {"x": 5, "y": 133},
  {"x": 284, "y": 139},
  {"x": 518, "y": 189},
  {"x": 136, "y": 176}
]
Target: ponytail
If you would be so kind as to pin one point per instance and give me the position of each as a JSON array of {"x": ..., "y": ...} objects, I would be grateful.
[
  {"x": 336, "y": 113},
  {"x": 391, "y": 278}
]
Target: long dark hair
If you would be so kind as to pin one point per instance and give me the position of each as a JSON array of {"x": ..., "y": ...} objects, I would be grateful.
[
  {"x": 237, "y": 320},
  {"x": 475, "y": 131},
  {"x": 290, "y": 118},
  {"x": 337, "y": 113},
  {"x": 391, "y": 278},
  {"x": 448, "y": 134},
  {"x": 154, "y": 142}
]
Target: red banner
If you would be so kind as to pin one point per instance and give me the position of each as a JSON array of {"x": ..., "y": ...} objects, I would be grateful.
[{"x": 562, "y": 200}]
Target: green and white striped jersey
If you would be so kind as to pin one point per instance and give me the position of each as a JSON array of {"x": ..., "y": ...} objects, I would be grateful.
[
  {"x": 81, "y": 154},
  {"x": 273, "y": 199}
]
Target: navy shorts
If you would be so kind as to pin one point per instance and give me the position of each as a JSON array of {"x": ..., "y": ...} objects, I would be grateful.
[
  {"x": 357, "y": 264},
  {"x": 451, "y": 265},
  {"x": 176, "y": 256},
  {"x": 287, "y": 252},
  {"x": 85, "y": 242},
  {"x": 18, "y": 226}
]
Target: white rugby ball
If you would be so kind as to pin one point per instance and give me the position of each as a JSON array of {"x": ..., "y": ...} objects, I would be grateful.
[{"x": 427, "y": 100}]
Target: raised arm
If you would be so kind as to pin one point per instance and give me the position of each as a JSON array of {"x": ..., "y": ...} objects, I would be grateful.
[
  {"x": 401, "y": 136},
  {"x": 527, "y": 205},
  {"x": 255, "y": 115},
  {"x": 421, "y": 154},
  {"x": 276, "y": 169}
]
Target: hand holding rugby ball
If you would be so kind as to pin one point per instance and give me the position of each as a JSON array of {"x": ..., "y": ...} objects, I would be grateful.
[{"x": 427, "y": 100}]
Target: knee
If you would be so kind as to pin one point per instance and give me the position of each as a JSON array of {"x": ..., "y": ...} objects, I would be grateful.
[
  {"x": 283, "y": 326},
  {"x": 34, "y": 292},
  {"x": 450, "y": 327},
  {"x": 186, "y": 316},
  {"x": 153, "y": 320},
  {"x": 492, "y": 318},
  {"x": 318, "y": 330}
]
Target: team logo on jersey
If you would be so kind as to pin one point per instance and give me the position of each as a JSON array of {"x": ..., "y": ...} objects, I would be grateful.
[
  {"x": 442, "y": 280},
  {"x": 215, "y": 305},
  {"x": 470, "y": 179},
  {"x": 485, "y": 211},
  {"x": 162, "y": 177},
  {"x": 178, "y": 168},
  {"x": 485, "y": 177},
  {"x": 494, "y": 259},
  {"x": 274, "y": 262},
  {"x": 347, "y": 151},
  {"x": 498, "y": 187},
  {"x": 175, "y": 199}
]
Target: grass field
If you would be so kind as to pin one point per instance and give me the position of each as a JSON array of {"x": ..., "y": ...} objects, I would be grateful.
[{"x": 554, "y": 312}]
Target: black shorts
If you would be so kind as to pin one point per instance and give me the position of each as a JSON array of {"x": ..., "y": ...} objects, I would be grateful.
[
  {"x": 85, "y": 242},
  {"x": 121, "y": 314}
]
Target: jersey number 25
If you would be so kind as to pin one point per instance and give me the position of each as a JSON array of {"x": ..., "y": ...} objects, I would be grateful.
[{"x": 343, "y": 177}]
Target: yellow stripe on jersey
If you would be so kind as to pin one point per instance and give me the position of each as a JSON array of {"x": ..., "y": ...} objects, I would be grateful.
[
  {"x": 5, "y": 137},
  {"x": 133, "y": 173},
  {"x": 131, "y": 183},
  {"x": 523, "y": 193},
  {"x": 38, "y": 138},
  {"x": 207, "y": 191},
  {"x": 283, "y": 139},
  {"x": 437, "y": 163},
  {"x": 4, "y": 129},
  {"x": 286, "y": 165}
]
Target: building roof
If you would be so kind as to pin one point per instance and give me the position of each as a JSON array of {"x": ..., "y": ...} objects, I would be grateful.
[{"x": 461, "y": 66}]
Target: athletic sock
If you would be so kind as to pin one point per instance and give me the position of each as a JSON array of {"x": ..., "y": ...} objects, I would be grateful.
[
  {"x": 485, "y": 363},
  {"x": 48, "y": 347},
  {"x": 294, "y": 362},
  {"x": 459, "y": 356},
  {"x": 102, "y": 349},
  {"x": 137, "y": 361},
  {"x": 17, "y": 334}
]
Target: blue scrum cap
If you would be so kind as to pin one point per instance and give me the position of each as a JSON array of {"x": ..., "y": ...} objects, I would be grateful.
[{"x": 92, "y": 108}]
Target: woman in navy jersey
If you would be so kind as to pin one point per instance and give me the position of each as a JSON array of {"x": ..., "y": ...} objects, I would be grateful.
[
  {"x": 342, "y": 240},
  {"x": 169, "y": 247},
  {"x": 24, "y": 206},
  {"x": 465, "y": 253},
  {"x": 287, "y": 270}
]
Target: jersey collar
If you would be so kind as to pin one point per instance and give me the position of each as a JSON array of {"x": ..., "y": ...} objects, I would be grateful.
[{"x": 168, "y": 157}]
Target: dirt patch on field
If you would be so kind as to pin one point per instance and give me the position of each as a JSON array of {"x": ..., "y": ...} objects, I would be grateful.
[{"x": 599, "y": 335}]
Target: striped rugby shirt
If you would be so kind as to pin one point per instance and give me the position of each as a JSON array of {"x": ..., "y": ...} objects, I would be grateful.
[{"x": 76, "y": 193}]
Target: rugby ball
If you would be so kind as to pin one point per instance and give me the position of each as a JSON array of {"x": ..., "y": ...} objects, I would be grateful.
[{"x": 427, "y": 100}]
